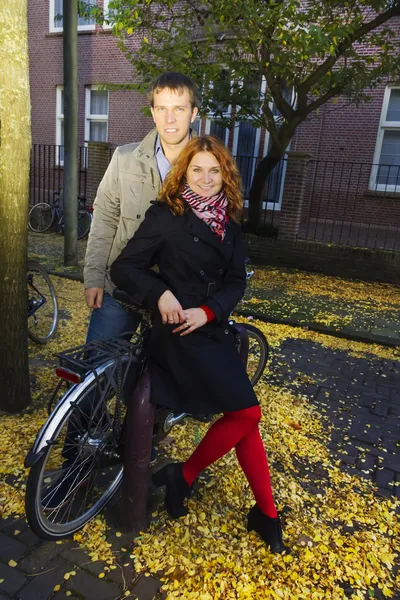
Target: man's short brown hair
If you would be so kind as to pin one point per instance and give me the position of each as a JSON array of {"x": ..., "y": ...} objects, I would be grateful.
[{"x": 176, "y": 82}]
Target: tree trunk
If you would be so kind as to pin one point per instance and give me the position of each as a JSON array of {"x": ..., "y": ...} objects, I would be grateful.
[
  {"x": 264, "y": 168},
  {"x": 15, "y": 142}
]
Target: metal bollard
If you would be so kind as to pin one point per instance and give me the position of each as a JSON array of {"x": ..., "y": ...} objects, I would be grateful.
[{"x": 137, "y": 455}]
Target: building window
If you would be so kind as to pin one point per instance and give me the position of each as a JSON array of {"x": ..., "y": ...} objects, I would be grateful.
[
  {"x": 96, "y": 114},
  {"x": 385, "y": 174},
  {"x": 56, "y": 12},
  {"x": 59, "y": 150}
]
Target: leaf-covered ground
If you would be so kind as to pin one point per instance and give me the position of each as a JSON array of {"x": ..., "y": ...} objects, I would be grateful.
[
  {"x": 333, "y": 302},
  {"x": 325, "y": 301},
  {"x": 344, "y": 538}
]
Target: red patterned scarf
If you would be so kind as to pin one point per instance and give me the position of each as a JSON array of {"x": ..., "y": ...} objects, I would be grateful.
[{"x": 211, "y": 210}]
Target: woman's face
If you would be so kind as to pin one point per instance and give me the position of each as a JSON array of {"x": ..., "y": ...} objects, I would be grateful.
[{"x": 204, "y": 175}]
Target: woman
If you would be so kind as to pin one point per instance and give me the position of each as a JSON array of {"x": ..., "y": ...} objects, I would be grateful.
[{"x": 193, "y": 237}]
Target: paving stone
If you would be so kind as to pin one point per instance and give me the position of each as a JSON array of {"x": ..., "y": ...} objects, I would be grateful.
[
  {"x": 43, "y": 554},
  {"x": 381, "y": 409},
  {"x": 42, "y": 585},
  {"x": 384, "y": 477},
  {"x": 90, "y": 586},
  {"x": 345, "y": 458},
  {"x": 366, "y": 400},
  {"x": 15, "y": 525},
  {"x": 392, "y": 463},
  {"x": 13, "y": 579},
  {"x": 124, "y": 573},
  {"x": 146, "y": 588},
  {"x": 11, "y": 548},
  {"x": 370, "y": 437},
  {"x": 391, "y": 445},
  {"x": 29, "y": 538},
  {"x": 79, "y": 557},
  {"x": 366, "y": 463}
]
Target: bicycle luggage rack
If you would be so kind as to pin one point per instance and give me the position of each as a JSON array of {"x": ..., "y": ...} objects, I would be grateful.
[{"x": 87, "y": 357}]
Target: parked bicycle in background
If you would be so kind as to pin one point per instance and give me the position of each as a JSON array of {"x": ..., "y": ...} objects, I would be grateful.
[{"x": 43, "y": 216}]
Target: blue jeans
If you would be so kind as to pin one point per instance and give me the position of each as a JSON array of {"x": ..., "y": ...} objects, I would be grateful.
[{"x": 111, "y": 320}]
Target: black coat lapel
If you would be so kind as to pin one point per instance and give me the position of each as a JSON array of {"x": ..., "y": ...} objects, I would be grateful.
[{"x": 200, "y": 229}]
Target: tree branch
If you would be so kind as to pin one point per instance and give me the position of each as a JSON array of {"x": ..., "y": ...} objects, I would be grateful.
[{"x": 326, "y": 66}]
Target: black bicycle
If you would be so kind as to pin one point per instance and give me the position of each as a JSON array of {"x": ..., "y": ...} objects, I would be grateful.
[
  {"x": 42, "y": 304},
  {"x": 76, "y": 462},
  {"x": 43, "y": 216}
]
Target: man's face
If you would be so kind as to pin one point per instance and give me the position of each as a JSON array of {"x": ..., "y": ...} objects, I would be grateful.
[{"x": 172, "y": 115}]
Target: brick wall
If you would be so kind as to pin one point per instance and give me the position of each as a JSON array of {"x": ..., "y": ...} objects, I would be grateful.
[
  {"x": 344, "y": 261},
  {"x": 99, "y": 61}
]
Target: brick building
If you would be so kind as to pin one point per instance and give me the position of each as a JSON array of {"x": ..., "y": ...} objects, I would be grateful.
[{"x": 344, "y": 183}]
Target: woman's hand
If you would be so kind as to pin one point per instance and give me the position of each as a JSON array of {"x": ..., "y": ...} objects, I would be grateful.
[
  {"x": 170, "y": 308},
  {"x": 194, "y": 318}
]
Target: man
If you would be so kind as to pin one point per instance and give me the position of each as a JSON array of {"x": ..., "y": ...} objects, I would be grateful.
[{"x": 132, "y": 180}]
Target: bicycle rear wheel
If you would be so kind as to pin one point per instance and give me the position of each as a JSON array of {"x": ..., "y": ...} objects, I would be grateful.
[
  {"x": 42, "y": 304},
  {"x": 81, "y": 465},
  {"x": 84, "y": 222},
  {"x": 41, "y": 217},
  {"x": 258, "y": 353}
]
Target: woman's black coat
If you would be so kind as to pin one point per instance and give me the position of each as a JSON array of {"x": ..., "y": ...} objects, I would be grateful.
[{"x": 202, "y": 371}]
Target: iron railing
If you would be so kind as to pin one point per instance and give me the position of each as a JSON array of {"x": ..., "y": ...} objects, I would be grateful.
[
  {"x": 47, "y": 172},
  {"x": 352, "y": 204}
]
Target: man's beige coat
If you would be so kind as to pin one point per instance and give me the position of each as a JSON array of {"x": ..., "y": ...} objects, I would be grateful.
[{"x": 130, "y": 183}]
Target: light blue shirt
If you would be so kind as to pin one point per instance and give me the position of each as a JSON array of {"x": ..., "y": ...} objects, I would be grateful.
[{"x": 163, "y": 163}]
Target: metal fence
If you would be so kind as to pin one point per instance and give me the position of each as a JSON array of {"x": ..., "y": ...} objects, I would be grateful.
[
  {"x": 345, "y": 203},
  {"x": 352, "y": 204},
  {"x": 47, "y": 172}
]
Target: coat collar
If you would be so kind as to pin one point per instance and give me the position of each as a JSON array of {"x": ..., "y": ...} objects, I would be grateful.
[{"x": 200, "y": 229}]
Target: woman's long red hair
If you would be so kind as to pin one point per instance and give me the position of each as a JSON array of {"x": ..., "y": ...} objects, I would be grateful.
[{"x": 176, "y": 178}]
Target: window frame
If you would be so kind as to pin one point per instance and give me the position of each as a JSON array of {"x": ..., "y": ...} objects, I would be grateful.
[
  {"x": 53, "y": 28},
  {"x": 59, "y": 119},
  {"x": 89, "y": 117},
  {"x": 105, "y": 10},
  {"x": 384, "y": 126}
]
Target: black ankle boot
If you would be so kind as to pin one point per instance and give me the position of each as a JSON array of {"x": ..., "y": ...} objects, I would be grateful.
[
  {"x": 176, "y": 489},
  {"x": 269, "y": 529}
]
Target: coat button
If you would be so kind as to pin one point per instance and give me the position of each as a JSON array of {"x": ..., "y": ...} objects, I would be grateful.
[
  {"x": 228, "y": 242},
  {"x": 226, "y": 331},
  {"x": 201, "y": 272},
  {"x": 220, "y": 271},
  {"x": 196, "y": 239}
]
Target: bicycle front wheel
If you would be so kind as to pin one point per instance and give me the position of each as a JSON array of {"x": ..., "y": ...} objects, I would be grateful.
[
  {"x": 42, "y": 304},
  {"x": 41, "y": 217},
  {"x": 81, "y": 466},
  {"x": 258, "y": 353},
  {"x": 84, "y": 222}
]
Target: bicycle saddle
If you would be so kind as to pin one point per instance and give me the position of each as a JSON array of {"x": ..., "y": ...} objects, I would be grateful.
[{"x": 125, "y": 298}]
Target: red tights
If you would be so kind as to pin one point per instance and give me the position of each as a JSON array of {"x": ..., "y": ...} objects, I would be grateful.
[{"x": 239, "y": 430}]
